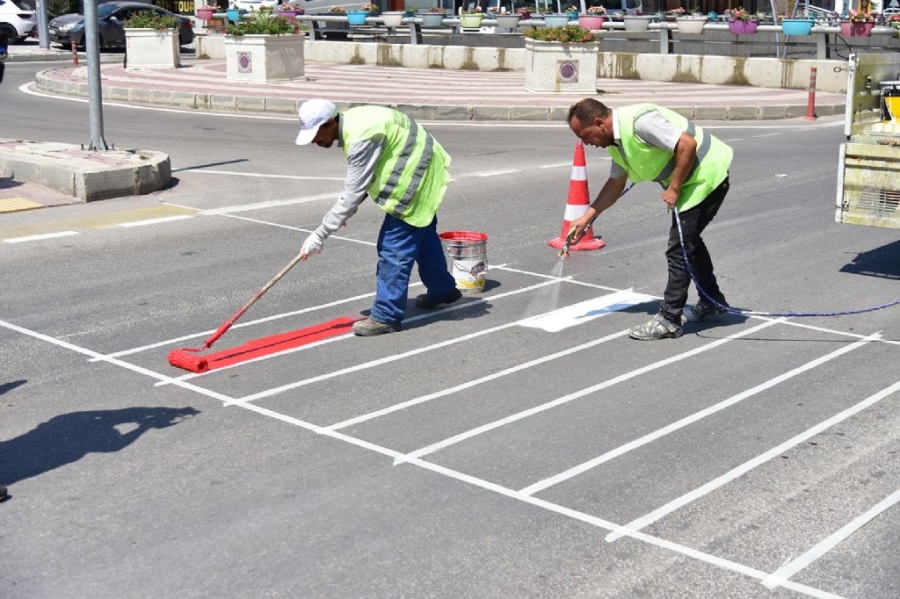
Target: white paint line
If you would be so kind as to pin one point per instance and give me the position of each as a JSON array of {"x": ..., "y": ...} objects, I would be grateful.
[
  {"x": 156, "y": 221},
  {"x": 249, "y": 323},
  {"x": 586, "y": 311},
  {"x": 568, "y": 279},
  {"x": 207, "y": 171},
  {"x": 291, "y": 228},
  {"x": 263, "y": 205},
  {"x": 582, "y": 517},
  {"x": 40, "y": 237},
  {"x": 126, "y": 365},
  {"x": 557, "y": 165},
  {"x": 493, "y": 173},
  {"x": 679, "y": 424},
  {"x": 578, "y": 394},
  {"x": 734, "y": 473},
  {"x": 395, "y": 357},
  {"x": 783, "y": 573},
  {"x": 475, "y": 382}
]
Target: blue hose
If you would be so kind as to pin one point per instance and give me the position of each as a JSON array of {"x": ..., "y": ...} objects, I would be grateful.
[{"x": 731, "y": 310}]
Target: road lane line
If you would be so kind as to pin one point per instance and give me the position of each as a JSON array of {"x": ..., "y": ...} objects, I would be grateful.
[
  {"x": 749, "y": 465},
  {"x": 473, "y": 383},
  {"x": 578, "y": 394},
  {"x": 679, "y": 424},
  {"x": 394, "y": 357},
  {"x": 40, "y": 237},
  {"x": 126, "y": 365},
  {"x": 576, "y": 515},
  {"x": 782, "y": 574}
]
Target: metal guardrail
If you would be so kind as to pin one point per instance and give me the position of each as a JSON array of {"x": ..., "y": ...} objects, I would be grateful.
[{"x": 325, "y": 24}]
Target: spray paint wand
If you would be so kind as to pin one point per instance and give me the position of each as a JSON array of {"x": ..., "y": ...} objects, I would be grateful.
[{"x": 570, "y": 238}]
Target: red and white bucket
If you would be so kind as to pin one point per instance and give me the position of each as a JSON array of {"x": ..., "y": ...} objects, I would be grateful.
[{"x": 467, "y": 252}]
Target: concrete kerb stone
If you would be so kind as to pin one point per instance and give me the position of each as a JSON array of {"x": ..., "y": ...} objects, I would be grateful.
[{"x": 85, "y": 174}]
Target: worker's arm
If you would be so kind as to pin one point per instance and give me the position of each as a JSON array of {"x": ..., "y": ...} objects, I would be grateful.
[
  {"x": 685, "y": 154},
  {"x": 362, "y": 159},
  {"x": 611, "y": 192}
]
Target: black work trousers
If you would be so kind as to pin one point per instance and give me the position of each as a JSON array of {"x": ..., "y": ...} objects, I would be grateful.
[{"x": 693, "y": 222}]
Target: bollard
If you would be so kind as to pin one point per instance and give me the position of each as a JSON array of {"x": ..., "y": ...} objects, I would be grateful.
[
  {"x": 74, "y": 53},
  {"x": 811, "y": 103}
]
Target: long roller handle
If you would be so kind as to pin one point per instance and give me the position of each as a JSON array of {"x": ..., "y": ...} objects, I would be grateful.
[{"x": 221, "y": 330}]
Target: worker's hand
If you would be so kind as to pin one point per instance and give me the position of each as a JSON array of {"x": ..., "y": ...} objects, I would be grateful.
[
  {"x": 670, "y": 197},
  {"x": 577, "y": 231},
  {"x": 312, "y": 245}
]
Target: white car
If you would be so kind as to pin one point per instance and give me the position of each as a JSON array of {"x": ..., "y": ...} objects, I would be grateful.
[
  {"x": 17, "y": 20},
  {"x": 310, "y": 6}
]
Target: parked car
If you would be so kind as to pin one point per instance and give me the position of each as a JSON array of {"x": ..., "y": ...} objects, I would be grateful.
[
  {"x": 111, "y": 26},
  {"x": 17, "y": 20}
]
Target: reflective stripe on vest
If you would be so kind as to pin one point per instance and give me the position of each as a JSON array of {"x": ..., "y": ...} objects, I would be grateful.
[{"x": 410, "y": 177}]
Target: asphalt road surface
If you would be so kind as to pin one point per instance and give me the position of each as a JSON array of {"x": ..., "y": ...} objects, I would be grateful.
[{"x": 517, "y": 444}]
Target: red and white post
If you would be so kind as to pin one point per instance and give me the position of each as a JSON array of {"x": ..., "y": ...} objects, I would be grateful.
[{"x": 811, "y": 103}]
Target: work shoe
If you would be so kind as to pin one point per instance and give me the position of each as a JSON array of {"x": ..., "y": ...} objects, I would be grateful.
[
  {"x": 369, "y": 327},
  {"x": 703, "y": 311},
  {"x": 657, "y": 328},
  {"x": 427, "y": 302}
]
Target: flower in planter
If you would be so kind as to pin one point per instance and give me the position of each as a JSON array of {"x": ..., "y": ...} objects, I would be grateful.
[
  {"x": 597, "y": 10},
  {"x": 742, "y": 14},
  {"x": 337, "y": 10},
  {"x": 571, "y": 8},
  {"x": 151, "y": 20},
  {"x": 472, "y": 11},
  {"x": 857, "y": 16},
  {"x": 372, "y": 9},
  {"x": 564, "y": 35},
  {"x": 262, "y": 23},
  {"x": 437, "y": 10},
  {"x": 292, "y": 7},
  {"x": 677, "y": 12},
  {"x": 523, "y": 11}
]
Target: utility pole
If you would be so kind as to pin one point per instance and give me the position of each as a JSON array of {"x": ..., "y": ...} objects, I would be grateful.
[
  {"x": 95, "y": 95},
  {"x": 43, "y": 34}
]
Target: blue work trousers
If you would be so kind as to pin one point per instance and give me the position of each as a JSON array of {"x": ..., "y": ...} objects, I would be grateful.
[{"x": 400, "y": 245}]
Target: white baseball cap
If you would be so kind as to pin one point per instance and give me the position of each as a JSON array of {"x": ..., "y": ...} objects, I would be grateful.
[{"x": 313, "y": 114}]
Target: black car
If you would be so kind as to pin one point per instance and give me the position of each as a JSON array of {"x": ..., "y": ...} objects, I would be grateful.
[{"x": 111, "y": 18}]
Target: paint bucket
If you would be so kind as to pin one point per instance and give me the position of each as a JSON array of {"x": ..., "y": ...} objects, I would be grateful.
[
  {"x": 890, "y": 101},
  {"x": 467, "y": 252}
]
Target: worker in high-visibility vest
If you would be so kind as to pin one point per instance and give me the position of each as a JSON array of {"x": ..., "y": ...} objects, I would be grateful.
[
  {"x": 404, "y": 169},
  {"x": 651, "y": 143}
]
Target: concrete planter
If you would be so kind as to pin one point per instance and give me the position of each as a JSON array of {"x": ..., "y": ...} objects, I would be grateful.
[
  {"x": 264, "y": 58},
  {"x": 558, "y": 67},
  {"x": 152, "y": 48}
]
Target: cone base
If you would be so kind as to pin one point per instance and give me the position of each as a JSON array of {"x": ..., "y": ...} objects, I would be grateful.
[{"x": 583, "y": 245}]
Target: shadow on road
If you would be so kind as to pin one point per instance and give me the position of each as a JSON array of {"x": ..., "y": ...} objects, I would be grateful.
[{"x": 69, "y": 437}]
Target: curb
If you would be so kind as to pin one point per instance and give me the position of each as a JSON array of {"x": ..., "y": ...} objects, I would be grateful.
[
  {"x": 285, "y": 107},
  {"x": 84, "y": 174}
]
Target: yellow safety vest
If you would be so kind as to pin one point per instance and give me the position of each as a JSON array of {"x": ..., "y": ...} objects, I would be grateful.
[
  {"x": 649, "y": 163},
  {"x": 411, "y": 176}
]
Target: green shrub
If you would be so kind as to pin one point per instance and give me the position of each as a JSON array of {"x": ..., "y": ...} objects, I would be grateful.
[
  {"x": 566, "y": 35},
  {"x": 150, "y": 20},
  {"x": 261, "y": 23}
]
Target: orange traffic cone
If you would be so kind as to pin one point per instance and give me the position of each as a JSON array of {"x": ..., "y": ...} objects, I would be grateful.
[{"x": 576, "y": 205}]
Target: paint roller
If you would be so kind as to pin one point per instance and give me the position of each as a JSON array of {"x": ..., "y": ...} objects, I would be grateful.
[{"x": 187, "y": 358}]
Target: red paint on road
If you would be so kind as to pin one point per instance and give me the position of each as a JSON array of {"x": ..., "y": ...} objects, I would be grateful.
[{"x": 279, "y": 343}]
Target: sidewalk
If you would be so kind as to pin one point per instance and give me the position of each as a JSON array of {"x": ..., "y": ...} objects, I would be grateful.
[{"x": 425, "y": 94}]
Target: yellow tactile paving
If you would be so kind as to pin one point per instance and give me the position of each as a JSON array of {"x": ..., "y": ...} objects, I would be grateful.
[
  {"x": 16, "y": 204},
  {"x": 100, "y": 221}
]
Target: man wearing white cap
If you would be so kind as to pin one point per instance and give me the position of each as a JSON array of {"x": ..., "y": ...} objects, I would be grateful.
[{"x": 404, "y": 169}]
